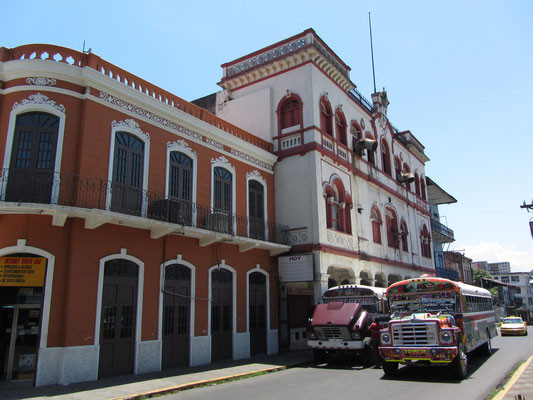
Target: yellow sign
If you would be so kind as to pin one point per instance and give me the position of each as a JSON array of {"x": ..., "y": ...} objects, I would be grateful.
[{"x": 22, "y": 271}]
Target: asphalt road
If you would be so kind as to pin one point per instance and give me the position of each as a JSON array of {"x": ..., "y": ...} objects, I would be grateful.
[{"x": 352, "y": 381}]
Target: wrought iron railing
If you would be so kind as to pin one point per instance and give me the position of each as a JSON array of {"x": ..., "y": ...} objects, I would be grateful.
[
  {"x": 441, "y": 228},
  {"x": 362, "y": 100},
  {"x": 64, "y": 189}
]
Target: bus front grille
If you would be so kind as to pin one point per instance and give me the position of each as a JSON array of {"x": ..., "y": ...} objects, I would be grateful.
[
  {"x": 332, "y": 332},
  {"x": 414, "y": 334}
]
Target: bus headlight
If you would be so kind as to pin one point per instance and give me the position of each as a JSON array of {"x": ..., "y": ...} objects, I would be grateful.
[
  {"x": 386, "y": 338},
  {"x": 311, "y": 334},
  {"x": 446, "y": 337},
  {"x": 356, "y": 335}
]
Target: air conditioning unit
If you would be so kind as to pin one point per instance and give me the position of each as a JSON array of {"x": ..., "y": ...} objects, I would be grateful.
[{"x": 219, "y": 222}]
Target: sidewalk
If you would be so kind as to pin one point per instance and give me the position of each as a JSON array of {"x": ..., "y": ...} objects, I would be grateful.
[
  {"x": 133, "y": 386},
  {"x": 520, "y": 384}
]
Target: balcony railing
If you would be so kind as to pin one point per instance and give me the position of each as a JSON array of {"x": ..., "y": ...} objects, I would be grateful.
[
  {"x": 64, "y": 189},
  {"x": 445, "y": 233}
]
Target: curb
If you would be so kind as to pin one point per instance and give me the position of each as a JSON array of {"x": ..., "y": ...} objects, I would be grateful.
[
  {"x": 192, "y": 385},
  {"x": 517, "y": 374}
]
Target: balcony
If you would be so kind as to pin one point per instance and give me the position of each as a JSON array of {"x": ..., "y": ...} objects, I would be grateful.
[
  {"x": 99, "y": 202},
  {"x": 440, "y": 232},
  {"x": 447, "y": 273}
]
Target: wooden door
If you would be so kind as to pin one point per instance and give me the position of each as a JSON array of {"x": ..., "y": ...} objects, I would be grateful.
[
  {"x": 118, "y": 318},
  {"x": 128, "y": 167},
  {"x": 221, "y": 315},
  {"x": 31, "y": 173},
  {"x": 176, "y": 316},
  {"x": 257, "y": 313}
]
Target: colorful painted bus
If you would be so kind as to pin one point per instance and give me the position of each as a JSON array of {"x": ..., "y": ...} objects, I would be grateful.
[{"x": 436, "y": 321}]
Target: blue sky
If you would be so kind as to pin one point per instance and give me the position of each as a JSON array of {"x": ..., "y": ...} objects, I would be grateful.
[{"x": 457, "y": 73}]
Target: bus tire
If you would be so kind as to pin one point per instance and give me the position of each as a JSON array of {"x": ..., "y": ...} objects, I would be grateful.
[
  {"x": 390, "y": 368},
  {"x": 487, "y": 347},
  {"x": 319, "y": 356},
  {"x": 459, "y": 366}
]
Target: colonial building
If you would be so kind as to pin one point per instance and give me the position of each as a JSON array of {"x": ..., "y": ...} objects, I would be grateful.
[
  {"x": 137, "y": 229},
  {"x": 523, "y": 292},
  {"x": 350, "y": 186}
]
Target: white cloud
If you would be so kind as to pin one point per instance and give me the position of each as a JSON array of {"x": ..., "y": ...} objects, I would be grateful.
[{"x": 521, "y": 261}]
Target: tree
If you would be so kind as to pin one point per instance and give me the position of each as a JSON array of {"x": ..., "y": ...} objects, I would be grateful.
[{"x": 478, "y": 275}]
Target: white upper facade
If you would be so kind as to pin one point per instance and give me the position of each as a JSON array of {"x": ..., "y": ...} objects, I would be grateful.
[{"x": 297, "y": 94}]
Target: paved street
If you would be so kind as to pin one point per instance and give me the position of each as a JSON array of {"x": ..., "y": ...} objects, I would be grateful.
[{"x": 341, "y": 380}]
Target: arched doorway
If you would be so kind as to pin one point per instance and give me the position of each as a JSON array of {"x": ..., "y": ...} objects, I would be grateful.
[
  {"x": 257, "y": 313},
  {"x": 221, "y": 314},
  {"x": 118, "y": 318},
  {"x": 176, "y": 316}
]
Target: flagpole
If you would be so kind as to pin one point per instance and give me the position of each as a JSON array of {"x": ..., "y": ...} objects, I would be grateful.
[{"x": 372, "y": 52}]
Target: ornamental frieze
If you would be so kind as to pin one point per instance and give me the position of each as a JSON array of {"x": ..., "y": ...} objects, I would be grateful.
[
  {"x": 39, "y": 98},
  {"x": 340, "y": 240},
  {"x": 178, "y": 128},
  {"x": 41, "y": 81}
]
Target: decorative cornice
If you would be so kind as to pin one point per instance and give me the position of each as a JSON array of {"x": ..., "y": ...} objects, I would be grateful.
[
  {"x": 181, "y": 145},
  {"x": 39, "y": 98},
  {"x": 254, "y": 174},
  {"x": 41, "y": 81},
  {"x": 152, "y": 117},
  {"x": 251, "y": 159},
  {"x": 222, "y": 162},
  {"x": 266, "y": 57},
  {"x": 132, "y": 126}
]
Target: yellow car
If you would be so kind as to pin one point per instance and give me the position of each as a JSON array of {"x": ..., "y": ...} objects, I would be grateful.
[{"x": 513, "y": 326}]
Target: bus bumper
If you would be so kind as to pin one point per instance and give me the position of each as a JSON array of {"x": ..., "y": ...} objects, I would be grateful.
[
  {"x": 336, "y": 345},
  {"x": 408, "y": 354}
]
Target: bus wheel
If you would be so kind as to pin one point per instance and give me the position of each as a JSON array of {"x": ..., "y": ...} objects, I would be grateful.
[
  {"x": 390, "y": 368},
  {"x": 319, "y": 356},
  {"x": 459, "y": 366},
  {"x": 487, "y": 347}
]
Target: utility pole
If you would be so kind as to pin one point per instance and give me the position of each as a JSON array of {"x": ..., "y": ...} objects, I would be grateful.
[{"x": 527, "y": 206}]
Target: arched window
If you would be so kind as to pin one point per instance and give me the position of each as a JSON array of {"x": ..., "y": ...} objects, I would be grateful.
[
  {"x": 290, "y": 112},
  {"x": 397, "y": 168},
  {"x": 356, "y": 131},
  {"x": 128, "y": 167},
  {"x": 385, "y": 157},
  {"x": 423, "y": 187},
  {"x": 340, "y": 123},
  {"x": 376, "y": 225},
  {"x": 338, "y": 205},
  {"x": 326, "y": 117},
  {"x": 347, "y": 214},
  {"x": 391, "y": 223},
  {"x": 256, "y": 209},
  {"x": 425, "y": 242},
  {"x": 180, "y": 187},
  {"x": 417, "y": 184},
  {"x": 223, "y": 190},
  {"x": 371, "y": 155},
  {"x": 407, "y": 170},
  {"x": 403, "y": 235},
  {"x": 31, "y": 172}
]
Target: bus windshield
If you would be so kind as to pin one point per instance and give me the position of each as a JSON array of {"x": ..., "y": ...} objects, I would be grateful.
[
  {"x": 366, "y": 297},
  {"x": 423, "y": 303}
]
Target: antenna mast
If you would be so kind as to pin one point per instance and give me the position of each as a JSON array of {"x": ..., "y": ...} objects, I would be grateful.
[{"x": 372, "y": 52}]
